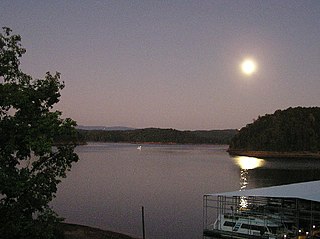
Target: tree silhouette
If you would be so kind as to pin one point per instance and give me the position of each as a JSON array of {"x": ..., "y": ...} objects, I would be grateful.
[{"x": 36, "y": 146}]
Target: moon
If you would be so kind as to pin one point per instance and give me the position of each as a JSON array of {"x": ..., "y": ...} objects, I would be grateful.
[{"x": 248, "y": 66}]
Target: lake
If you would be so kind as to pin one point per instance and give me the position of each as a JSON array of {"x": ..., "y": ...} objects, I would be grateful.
[{"x": 111, "y": 182}]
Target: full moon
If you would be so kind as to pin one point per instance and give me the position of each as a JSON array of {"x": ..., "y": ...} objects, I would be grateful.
[{"x": 248, "y": 67}]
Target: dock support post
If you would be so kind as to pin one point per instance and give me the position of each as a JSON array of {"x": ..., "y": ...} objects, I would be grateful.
[{"x": 143, "y": 228}]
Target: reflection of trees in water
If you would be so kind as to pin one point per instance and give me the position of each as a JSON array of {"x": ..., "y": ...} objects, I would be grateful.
[{"x": 261, "y": 177}]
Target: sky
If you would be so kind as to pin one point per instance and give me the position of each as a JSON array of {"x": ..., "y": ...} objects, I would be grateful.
[{"x": 172, "y": 63}]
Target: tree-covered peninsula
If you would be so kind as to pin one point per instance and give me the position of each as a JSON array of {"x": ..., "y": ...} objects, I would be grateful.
[
  {"x": 157, "y": 135},
  {"x": 293, "y": 132}
]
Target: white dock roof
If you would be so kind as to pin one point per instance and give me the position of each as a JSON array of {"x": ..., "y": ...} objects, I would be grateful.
[{"x": 307, "y": 190}]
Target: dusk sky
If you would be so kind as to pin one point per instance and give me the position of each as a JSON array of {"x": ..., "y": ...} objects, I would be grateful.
[{"x": 172, "y": 64}]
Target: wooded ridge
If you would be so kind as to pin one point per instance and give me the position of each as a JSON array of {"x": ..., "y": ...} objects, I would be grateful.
[
  {"x": 157, "y": 135},
  {"x": 291, "y": 131}
]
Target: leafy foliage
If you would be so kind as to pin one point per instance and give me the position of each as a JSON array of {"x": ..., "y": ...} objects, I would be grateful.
[
  {"x": 30, "y": 167},
  {"x": 293, "y": 129},
  {"x": 156, "y": 135}
]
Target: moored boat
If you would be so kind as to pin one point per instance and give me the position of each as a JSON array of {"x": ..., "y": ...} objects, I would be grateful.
[{"x": 246, "y": 225}]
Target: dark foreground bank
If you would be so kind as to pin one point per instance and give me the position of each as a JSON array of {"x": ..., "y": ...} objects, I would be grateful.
[{"x": 73, "y": 231}]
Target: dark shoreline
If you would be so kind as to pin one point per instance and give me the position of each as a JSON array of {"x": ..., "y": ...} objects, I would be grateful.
[
  {"x": 151, "y": 143},
  {"x": 75, "y": 231},
  {"x": 273, "y": 154}
]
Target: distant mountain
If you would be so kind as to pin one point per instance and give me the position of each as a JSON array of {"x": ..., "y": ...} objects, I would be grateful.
[{"x": 104, "y": 128}]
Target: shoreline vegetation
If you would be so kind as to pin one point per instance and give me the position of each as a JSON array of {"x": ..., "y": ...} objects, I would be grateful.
[
  {"x": 290, "y": 133},
  {"x": 157, "y": 136}
]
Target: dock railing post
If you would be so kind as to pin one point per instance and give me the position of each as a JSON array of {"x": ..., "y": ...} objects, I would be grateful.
[{"x": 205, "y": 212}]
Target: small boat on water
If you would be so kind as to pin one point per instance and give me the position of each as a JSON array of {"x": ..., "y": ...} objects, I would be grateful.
[
  {"x": 139, "y": 147},
  {"x": 244, "y": 225}
]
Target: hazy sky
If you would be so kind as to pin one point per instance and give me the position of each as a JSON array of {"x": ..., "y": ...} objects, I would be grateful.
[{"x": 172, "y": 63}]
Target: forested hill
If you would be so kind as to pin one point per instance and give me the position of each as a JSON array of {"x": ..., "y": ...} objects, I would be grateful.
[
  {"x": 290, "y": 130},
  {"x": 156, "y": 135}
]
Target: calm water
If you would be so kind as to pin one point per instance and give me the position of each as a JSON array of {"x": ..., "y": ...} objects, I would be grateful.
[{"x": 111, "y": 182}]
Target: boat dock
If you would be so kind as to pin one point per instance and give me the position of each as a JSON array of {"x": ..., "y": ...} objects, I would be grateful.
[{"x": 288, "y": 211}]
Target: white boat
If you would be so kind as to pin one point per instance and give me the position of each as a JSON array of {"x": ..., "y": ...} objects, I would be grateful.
[
  {"x": 139, "y": 147},
  {"x": 247, "y": 225}
]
